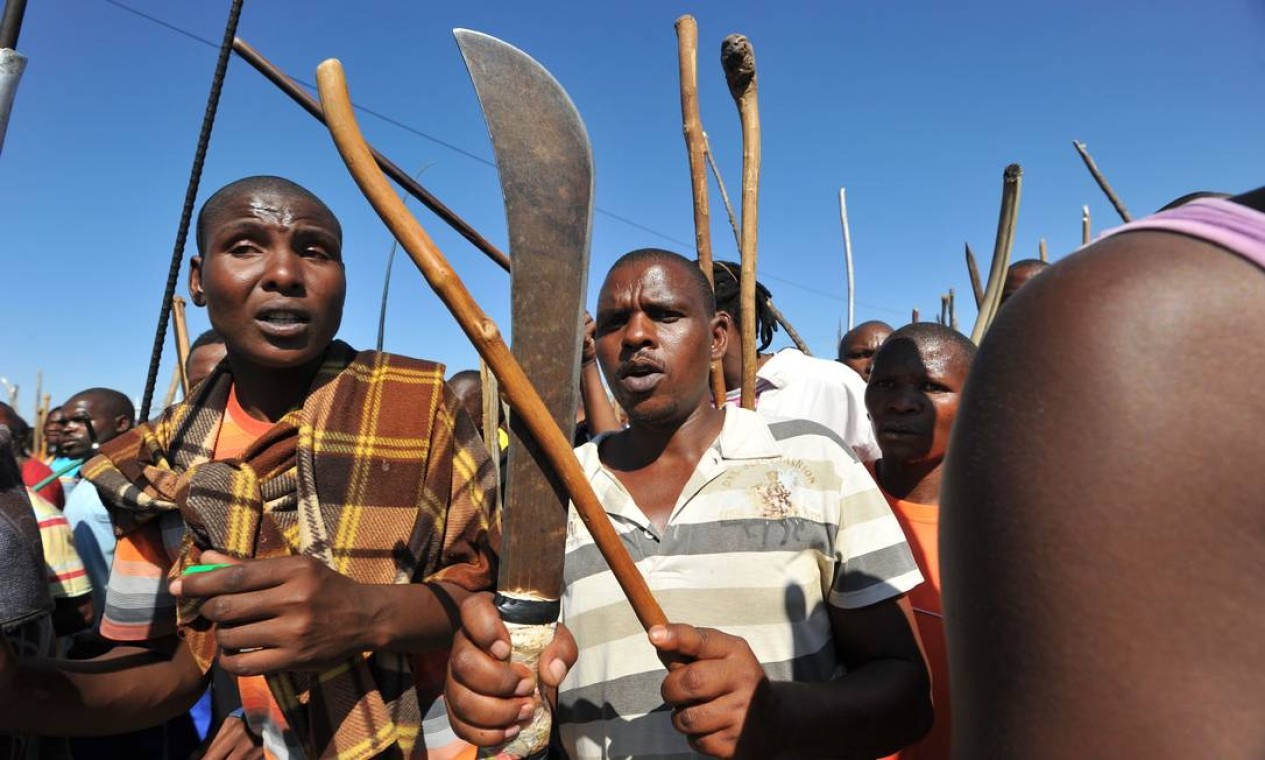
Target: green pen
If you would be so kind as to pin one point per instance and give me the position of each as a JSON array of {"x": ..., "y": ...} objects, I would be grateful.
[{"x": 195, "y": 569}]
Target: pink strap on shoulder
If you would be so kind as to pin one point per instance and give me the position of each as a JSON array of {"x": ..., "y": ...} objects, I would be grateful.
[{"x": 1233, "y": 226}]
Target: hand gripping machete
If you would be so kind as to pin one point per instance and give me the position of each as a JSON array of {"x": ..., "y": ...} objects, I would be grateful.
[{"x": 546, "y": 169}]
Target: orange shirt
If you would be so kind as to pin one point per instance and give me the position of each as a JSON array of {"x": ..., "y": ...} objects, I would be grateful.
[
  {"x": 237, "y": 432},
  {"x": 921, "y": 523}
]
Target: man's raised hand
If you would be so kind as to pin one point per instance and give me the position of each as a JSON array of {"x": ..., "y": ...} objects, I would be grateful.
[
  {"x": 715, "y": 686},
  {"x": 489, "y": 698}
]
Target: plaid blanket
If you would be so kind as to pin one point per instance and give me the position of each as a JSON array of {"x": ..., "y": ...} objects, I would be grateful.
[{"x": 367, "y": 476}]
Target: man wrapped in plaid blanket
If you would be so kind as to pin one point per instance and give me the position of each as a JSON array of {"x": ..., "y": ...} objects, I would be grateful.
[{"x": 348, "y": 491}]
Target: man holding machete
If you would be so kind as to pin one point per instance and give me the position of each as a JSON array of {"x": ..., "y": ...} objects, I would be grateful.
[
  {"x": 348, "y": 490},
  {"x": 772, "y": 532}
]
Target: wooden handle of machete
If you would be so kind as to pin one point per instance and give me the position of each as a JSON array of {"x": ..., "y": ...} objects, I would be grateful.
[
  {"x": 738, "y": 58},
  {"x": 696, "y": 149},
  {"x": 483, "y": 333}
]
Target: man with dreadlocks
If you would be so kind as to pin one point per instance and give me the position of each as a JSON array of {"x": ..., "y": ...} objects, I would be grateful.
[
  {"x": 339, "y": 496},
  {"x": 790, "y": 384}
]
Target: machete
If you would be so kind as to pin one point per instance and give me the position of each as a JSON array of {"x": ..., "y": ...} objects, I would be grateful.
[
  {"x": 546, "y": 169},
  {"x": 12, "y": 63}
]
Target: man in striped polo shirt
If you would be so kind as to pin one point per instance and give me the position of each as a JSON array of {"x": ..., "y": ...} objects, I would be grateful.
[{"x": 770, "y": 533}]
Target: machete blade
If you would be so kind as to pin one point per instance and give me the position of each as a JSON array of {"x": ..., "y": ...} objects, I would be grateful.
[{"x": 546, "y": 169}]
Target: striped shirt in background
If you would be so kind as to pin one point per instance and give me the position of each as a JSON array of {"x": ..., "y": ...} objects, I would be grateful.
[
  {"x": 66, "y": 575},
  {"x": 778, "y": 519}
]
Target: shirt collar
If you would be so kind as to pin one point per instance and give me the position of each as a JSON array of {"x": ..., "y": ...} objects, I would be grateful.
[
  {"x": 745, "y": 435},
  {"x": 778, "y": 370}
]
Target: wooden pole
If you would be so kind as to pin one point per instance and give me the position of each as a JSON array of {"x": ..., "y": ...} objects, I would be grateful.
[
  {"x": 492, "y": 425},
  {"x": 1012, "y": 183},
  {"x": 696, "y": 150},
  {"x": 733, "y": 223},
  {"x": 484, "y": 334},
  {"x": 1042, "y": 252},
  {"x": 170, "y": 397},
  {"x": 953, "y": 315},
  {"x": 914, "y": 317},
  {"x": 1102, "y": 181},
  {"x": 943, "y": 317},
  {"x": 738, "y": 59},
  {"x": 182, "y": 343},
  {"x": 1085, "y": 225},
  {"x": 847, "y": 256},
  {"x": 790, "y": 331},
  {"x": 724, "y": 194},
  {"x": 973, "y": 270}
]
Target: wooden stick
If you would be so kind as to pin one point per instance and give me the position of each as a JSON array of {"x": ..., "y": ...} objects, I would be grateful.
[
  {"x": 484, "y": 334},
  {"x": 973, "y": 271},
  {"x": 37, "y": 430},
  {"x": 914, "y": 317},
  {"x": 1102, "y": 181},
  {"x": 953, "y": 316},
  {"x": 724, "y": 194},
  {"x": 169, "y": 398},
  {"x": 790, "y": 331},
  {"x": 1043, "y": 253},
  {"x": 492, "y": 425},
  {"x": 943, "y": 317},
  {"x": 412, "y": 186},
  {"x": 738, "y": 59},
  {"x": 733, "y": 223},
  {"x": 1012, "y": 183},
  {"x": 1085, "y": 225},
  {"x": 847, "y": 256},
  {"x": 696, "y": 151},
  {"x": 182, "y": 342}
]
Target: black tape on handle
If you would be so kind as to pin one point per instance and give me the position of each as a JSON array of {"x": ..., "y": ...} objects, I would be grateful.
[{"x": 527, "y": 611}]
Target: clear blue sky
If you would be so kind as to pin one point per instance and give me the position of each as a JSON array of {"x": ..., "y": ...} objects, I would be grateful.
[{"x": 915, "y": 107}]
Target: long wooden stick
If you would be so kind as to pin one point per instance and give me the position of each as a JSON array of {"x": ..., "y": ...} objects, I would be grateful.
[
  {"x": 696, "y": 150},
  {"x": 1012, "y": 183},
  {"x": 1085, "y": 229},
  {"x": 410, "y": 185},
  {"x": 182, "y": 342},
  {"x": 724, "y": 194},
  {"x": 847, "y": 256},
  {"x": 733, "y": 223},
  {"x": 953, "y": 315},
  {"x": 1042, "y": 251},
  {"x": 913, "y": 317},
  {"x": 973, "y": 270},
  {"x": 483, "y": 333},
  {"x": 738, "y": 59},
  {"x": 1102, "y": 181},
  {"x": 169, "y": 397}
]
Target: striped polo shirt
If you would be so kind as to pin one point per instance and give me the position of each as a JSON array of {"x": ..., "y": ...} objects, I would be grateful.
[{"x": 778, "y": 520}]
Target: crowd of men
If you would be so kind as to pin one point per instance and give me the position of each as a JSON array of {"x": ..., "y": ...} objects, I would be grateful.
[{"x": 297, "y": 559}]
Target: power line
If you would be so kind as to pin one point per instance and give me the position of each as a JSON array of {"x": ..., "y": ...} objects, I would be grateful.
[{"x": 487, "y": 162}]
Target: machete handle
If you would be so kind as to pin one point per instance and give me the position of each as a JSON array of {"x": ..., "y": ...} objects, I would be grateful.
[{"x": 483, "y": 333}]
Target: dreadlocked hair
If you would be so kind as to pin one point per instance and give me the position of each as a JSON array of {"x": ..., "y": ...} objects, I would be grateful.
[{"x": 727, "y": 276}]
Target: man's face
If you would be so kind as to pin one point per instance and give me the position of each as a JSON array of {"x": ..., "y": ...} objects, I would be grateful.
[
  {"x": 860, "y": 346},
  {"x": 272, "y": 278},
  {"x": 913, "y": 399},
  {"x": 203, "y": 360},
  {"x": 87, "y": 419},
  {"x": 54, "y": 429},
  {"x": 655, "y": 341}
]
